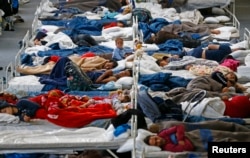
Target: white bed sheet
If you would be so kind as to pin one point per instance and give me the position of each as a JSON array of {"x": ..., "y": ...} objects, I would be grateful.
[
  {"x": 24, "y": 84},
  {"x": 181, "y": 73},
  {"x": 40, "y": 135}
]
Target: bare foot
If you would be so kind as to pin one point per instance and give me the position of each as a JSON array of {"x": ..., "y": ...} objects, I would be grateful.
[{"x": 215, "y": 32}]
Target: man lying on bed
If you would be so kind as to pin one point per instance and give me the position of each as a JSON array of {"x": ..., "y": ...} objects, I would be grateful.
[
  {"x": 215, "y": 52},
  {"x": 177, "y": 138},
  {"x": 84, "y": 62},
  {"x": 67, "y": 110}
]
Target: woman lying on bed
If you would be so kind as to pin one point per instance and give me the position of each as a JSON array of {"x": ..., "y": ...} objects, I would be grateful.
[{"x": 67, "y": 110}]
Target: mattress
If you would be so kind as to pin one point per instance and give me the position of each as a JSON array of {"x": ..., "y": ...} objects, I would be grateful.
[
  {"x": 42, "y": 136},
  {"x": 24, "y": 84}
]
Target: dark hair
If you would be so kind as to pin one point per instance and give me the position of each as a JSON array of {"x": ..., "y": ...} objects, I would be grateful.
[
  {"x": 130, "y": 71},
  {"x": 40, "y": 35},
  {"x": 123, "y": 22},
  {"x": 158, "y": 62},
  {"x": 4, "y": 104},
  {"x": 236, "y": 78},
  {"x": 118, "y": 39},
  {"x": 146, "y": 139},
  {"x": 115, "y": 63}
]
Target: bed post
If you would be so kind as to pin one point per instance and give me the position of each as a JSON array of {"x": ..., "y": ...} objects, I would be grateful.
[{"x": 138, "y": 40}]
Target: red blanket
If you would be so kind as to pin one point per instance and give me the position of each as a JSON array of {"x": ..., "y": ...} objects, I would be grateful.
[{"x": 63, "y": 109}]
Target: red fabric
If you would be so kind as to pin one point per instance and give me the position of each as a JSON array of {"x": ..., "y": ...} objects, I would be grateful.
[
  {"x": 75, "y": 118},
  {"x": 231, "y": 63},
  {"x": 63, "y": 109},
  {"x": 9, "y": 98},
  {"x": 179, "y": 131},
  {"x": 88, "y": 54},
  {"x": 237, "y": 106},
  {"x": 54, "y": 58},
  {"x": 112, "y": 24}
]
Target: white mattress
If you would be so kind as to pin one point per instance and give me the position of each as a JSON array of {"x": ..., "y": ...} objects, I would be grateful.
[
  {"x": 24, "y": 84},
  {"x": 40, "y": 135}
]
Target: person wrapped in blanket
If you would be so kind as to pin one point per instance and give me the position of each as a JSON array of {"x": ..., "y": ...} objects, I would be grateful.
[
  {"x": 213, "y": 52},
  {"x": 67, "y": 110},
  {"x": 180, "y": 136}
]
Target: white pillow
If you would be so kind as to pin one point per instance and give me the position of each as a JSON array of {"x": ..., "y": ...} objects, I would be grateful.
[
  {"x": 150, "y": 47},
  {"x": 211, "y": 20},
  {"x": 125, "y": 82},
  {"x": 240, "y": 55},
  {"x": 223, "y": 18},
  {"x": 49, "y": 28},
  {"x": 247, "y": 60},
  {"x": 227, "y": 29},
  {"x": 140, "y": 145},
  {"x": 218, "y": 11},
  {"x": 111, "y": 29},
  {"x": 121, "y": 65}
]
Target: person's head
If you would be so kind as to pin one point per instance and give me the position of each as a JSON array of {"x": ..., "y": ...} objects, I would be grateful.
[
  {"x": 7, "y": 108},
  {"x": 110, "y": 64},
  {"x": 162, "y": 62},
  {"x": 154, "y": 140},
  {"x": 231, "y": 76},
  {"x": 125, "y": 73},
  {"x": 38, "y": 39},
  {"x": 121, "y": 23},
  {"x": 124, "y": 96},
  {"x": 119, "y": 42}
]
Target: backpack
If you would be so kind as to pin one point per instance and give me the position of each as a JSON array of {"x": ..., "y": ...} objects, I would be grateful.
[
  {"x": 77, "y": 80},
  {"x": 142, "y": 14}
]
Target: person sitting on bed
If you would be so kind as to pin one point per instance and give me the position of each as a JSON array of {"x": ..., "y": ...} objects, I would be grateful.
[
  {"x": 24, "y": 109},
  {"x": 178, "y": 139},
  {"x": 120, "y": 52}
]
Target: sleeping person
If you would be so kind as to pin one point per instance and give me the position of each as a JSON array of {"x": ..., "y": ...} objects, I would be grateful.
[
  {"x": 178, "y": 139},
  {"x": 85, "y": 63},
  {"x": 86, "y": 5},
  {"x": 68, "y": 110},
  {"x": 24, "y": 109},
  {"x": 108, "y": 75}
]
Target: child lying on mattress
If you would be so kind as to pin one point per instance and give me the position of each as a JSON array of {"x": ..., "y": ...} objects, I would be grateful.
[{"x": 67, "y": 110}]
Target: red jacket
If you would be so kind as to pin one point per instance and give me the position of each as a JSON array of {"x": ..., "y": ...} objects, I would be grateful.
[{"x": 173, "y": 136}]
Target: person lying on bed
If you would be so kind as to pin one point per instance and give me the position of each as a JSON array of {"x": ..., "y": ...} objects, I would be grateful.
[
  {"x": 109, "y": 75},
  {"x": 85, "y": 63},
  {"x": 24, "y": 109},
  {"x": 229, "y": 83},
  {"x": 86, "y": 5},
  {"x": 177, "y": 139},
  {"x": 66, "y": 110},
  {"x": 38, "y": 40},
  {"x": 215, "y": 52},
  {"x": 106, "y": 76},
  {"x": 174, "y": 62}
]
